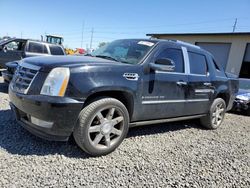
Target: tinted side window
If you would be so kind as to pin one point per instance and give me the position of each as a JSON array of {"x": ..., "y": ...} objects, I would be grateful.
[
  {"x": 37, "y": 48},
  {"x": 56, "y": 50},
  {"x": 13, "y": 46},
  {"x": 198, "y": 63},
  {"x": 176, "y": 56}
]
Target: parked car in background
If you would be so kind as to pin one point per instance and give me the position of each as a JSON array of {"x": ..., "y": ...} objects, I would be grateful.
[
  {"x": 8, "y": 73},
  {"x": 14, "y": 49},
  {"x": 125, "y": 83},
  {"x": 242, "y": 100}
]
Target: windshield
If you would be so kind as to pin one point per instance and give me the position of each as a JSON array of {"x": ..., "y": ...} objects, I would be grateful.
[
  {"x": 126, "y": 51},
  {"x": 244, "y": 84},
  {"x": 4, "y": 41}
]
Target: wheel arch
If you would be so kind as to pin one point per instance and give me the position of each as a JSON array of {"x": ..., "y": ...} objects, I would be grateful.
[
  {"x": 225, "y": 96},
  {"x": 123, "y": 96}
]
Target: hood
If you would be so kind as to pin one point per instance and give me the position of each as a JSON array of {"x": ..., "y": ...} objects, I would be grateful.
[
  {"x": 49, "y": 62},
  {"x": 4, "y": 41}
]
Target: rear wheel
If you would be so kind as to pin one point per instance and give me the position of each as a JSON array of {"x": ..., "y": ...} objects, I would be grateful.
[
  {"x": 216, "y": 114},
  {"x": 248, "y": 111},
  {"x": 102, "y": 126}
]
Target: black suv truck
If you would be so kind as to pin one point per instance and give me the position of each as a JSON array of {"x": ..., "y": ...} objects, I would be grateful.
[
  {"x": 125, "y": 83},
  {"x": 14, "y": 49}
]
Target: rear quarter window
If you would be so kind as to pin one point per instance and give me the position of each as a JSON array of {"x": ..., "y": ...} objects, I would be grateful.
[
  {"x": 37, "y": 48},
  {"x": 198, "y": 63},
  {"x": 56, "y": 50}
]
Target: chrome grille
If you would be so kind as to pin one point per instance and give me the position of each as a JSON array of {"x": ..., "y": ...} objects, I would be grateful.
[{"x": 23, "y": 78}]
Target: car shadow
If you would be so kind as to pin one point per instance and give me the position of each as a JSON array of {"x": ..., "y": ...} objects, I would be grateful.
[
  {"x": 240, "y": 113},
  {"x": 4, "y": 87},
  {"x": 16, "y": 140},
  {"x": 163, "y": 128}
]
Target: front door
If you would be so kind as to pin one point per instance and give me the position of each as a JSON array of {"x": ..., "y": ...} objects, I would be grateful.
[
  {"x": 164, "y": 92},
  {"x": 11, "y": 51}
]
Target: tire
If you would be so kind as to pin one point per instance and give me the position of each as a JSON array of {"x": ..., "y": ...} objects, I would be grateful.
[
  {"x": 215, "y": 116},
  {"x": 101, "y": 127},
  {"x": 248, "y": 111},
  {"x": 6, "y": 81}
]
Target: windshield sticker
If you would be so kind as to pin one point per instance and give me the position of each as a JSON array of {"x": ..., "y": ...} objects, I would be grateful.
[{"x": 146, "y": 43}]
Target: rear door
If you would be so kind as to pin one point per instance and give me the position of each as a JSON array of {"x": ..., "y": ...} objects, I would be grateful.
[
  {"x": 36, "y": 49},
  {"x": 56, "y": 50},
  {"x": 200, "y": 89}
]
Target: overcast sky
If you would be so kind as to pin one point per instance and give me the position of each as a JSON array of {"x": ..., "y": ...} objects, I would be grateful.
[{"x": 113, "y": 19}]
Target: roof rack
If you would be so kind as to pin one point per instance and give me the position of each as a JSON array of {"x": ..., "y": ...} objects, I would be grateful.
[{"x": 186, "y": 43}]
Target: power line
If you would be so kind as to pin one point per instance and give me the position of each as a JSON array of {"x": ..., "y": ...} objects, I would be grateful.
[
  {"x": 153, "y": 26},
  {"x": 235, "y": 24}
]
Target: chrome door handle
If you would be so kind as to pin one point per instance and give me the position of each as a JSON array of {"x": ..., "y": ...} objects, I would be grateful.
[
  {"x": 181, "y": 83},
  {"x": 207, "y": 84}
]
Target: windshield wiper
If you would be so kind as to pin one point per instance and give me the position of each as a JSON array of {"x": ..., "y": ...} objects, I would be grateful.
[
  {"x": 88, "y": 55},
  {"x": 107, "y": 57}
]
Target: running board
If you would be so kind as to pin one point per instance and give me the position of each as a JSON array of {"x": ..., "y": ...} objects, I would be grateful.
[{"x": 141, "y": 123}]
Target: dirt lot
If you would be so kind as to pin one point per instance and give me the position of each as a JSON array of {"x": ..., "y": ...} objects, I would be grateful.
[{"x": 168, "y": 155}]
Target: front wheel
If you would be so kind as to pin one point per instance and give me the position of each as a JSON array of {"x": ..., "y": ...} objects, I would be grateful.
[
  {"x": 216, "y": 114},
  {"x": 102, "y": 126}
]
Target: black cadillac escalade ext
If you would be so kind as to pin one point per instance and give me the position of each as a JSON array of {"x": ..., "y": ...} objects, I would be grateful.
[{"x": 126, "y": 83}]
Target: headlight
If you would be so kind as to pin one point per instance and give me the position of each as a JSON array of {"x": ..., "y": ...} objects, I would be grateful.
[{"x": 56, "y": 82}]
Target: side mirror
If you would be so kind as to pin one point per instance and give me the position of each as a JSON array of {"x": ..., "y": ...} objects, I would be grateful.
[{"x": 163, "y": 64}]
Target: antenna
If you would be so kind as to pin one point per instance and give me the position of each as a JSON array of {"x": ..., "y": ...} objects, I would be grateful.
[{"x": 235, "y": 24}]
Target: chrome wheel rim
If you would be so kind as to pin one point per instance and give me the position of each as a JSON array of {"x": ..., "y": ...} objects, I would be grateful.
[
  {"x": 218, "y": 114},
  {"x": 106, "y": 128}
]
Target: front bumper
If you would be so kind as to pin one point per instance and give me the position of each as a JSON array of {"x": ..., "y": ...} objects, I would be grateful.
[{"x": 62, "y": 111}]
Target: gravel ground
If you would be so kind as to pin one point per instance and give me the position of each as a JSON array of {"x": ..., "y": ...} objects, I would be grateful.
[{"x": 170, "y": 155}]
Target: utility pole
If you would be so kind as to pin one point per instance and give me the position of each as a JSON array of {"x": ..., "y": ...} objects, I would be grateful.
[
  {"x": 21, "y": 34},
  {"x": 91, "y": 39},
  {"x": 82, "y": 33},
  {"x": 45, "y": 38},
  {"x": 87, "y": 48},
  {"x": 235, "y": 24}
]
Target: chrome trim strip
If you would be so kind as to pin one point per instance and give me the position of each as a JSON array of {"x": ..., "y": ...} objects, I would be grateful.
[
  {"x": 198, "y": 75},
  {"x": 180, "y": 73},
  {"x": 188, "y": 44},
  {"x": 29, "y": 66},
  {"x": 141, "y": 123},
  {"x": 174, "y": 101},
  {"x": 221, "y": 77},
  {"x": 186, "y": 60},
  {"x": 26, "y": 90},
  {"x": 204, "y": 90}
]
